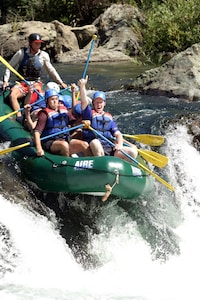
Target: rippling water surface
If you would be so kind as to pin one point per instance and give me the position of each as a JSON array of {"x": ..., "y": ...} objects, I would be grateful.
[{"x": 146, "y": 250}]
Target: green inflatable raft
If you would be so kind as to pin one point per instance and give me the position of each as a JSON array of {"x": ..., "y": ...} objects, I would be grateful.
[{"x": 101, "y": 176}]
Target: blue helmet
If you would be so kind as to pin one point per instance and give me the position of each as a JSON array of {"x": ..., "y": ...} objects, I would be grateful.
[
  {"x": 50, "y": 93},
  {"x": 60, "y": 98},
  {"x": 77, "y": 110},
  {"x": 66, "y": 100},
  {"x": 99, "y": 94}
]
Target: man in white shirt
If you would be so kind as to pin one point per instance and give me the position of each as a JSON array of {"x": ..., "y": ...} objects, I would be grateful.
[{"x": 30, "y": 62}]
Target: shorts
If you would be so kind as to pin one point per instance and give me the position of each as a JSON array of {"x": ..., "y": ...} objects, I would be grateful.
[
  {"x": 46, "y": 145},
  {"x": 23, "y": 87},
  {"x": 108, "y": 150}
]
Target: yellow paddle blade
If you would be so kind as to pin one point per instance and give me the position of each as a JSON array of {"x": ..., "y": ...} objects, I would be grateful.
[
  {"x": 148, "y": 139},
  {"x": 154, "y": 158},
  {"x": 147, "y": 157},
  {"x": 157, "y": 177},
  {"x": 135, "y": 161},
  {"x": 5, "y": 151},
  {"x": 2, "y": 118},
  {"x": 11, "y": 68}
]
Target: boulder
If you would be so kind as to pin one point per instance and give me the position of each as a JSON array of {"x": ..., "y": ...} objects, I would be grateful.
[
  {"x": 179, "y": 77},
  {"x": 117, "y": 31}
]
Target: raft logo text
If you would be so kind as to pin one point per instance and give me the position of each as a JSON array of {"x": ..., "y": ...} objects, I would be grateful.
[{"x": 84, "y": 164}]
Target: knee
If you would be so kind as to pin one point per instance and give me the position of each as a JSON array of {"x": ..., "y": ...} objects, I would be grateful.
[{"x": 134, "y": 151}]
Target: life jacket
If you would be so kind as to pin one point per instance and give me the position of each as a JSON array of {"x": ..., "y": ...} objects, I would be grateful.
[
  {"x": 30, "y": 66},
  {"x": 37, "y": 101},
  {"x": 101, "y": 123},
  {"x": 56, "y": 121}
]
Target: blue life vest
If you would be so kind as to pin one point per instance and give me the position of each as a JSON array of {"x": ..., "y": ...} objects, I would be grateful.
[
  {"x": 56, "y": 122},
  {"x": 30, "y": 66},
  {"x": 101, "y": 123},
  {"x": 41, "y": 103}
]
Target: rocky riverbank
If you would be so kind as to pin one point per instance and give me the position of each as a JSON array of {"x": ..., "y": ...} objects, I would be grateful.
[
  {"x": 116, "y": 30},
  {"x": 118, "y": 39}
]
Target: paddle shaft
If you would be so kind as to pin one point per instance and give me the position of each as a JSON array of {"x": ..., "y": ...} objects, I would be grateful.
[
  {"x": 31, "y": 143},
  {"x": 16, "y": 73},
  {"x": 89, "y": 54},
  {"x": 2, "y": 118},
  {"x": 87, "y": 62},
  {"x": 134, "y": 160}
]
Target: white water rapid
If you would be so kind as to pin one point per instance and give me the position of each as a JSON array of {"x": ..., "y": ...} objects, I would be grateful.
[{"x": 43, "y": 267}]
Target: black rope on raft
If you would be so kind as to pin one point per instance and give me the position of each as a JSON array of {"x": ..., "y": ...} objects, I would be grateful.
[{"x": 65, "y": 164}]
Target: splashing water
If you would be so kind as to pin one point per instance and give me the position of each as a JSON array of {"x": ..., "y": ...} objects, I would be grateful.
[{"x": 42, "y": 267}]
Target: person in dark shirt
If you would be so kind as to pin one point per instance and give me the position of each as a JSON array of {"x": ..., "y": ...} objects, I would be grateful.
[{"x": 51, "y": 120}]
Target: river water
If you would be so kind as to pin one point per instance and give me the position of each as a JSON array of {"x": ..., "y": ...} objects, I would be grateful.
[{"x": 142, "y": 250}]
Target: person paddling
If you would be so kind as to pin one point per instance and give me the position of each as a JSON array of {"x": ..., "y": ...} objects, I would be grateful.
[
  {"x": 30, "y": 62},
  {"x": 52, "y": 120}
]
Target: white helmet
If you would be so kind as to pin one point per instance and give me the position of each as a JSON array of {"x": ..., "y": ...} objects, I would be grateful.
[{"x": 53, "y": 85}]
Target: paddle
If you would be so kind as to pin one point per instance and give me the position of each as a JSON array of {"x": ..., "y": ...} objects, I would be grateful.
[
  {"x": 94, "y": 37},
  {"x": 134, "y": 160},
  {"x": 153, "y": 157},
  {"x": 2, "y": 118},
  {"x": 31, "y": 143},
  {"x": 16, "y": 73},
  {"x": 148, "y": 139}
]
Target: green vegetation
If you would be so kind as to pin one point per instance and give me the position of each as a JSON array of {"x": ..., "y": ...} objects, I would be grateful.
[{"x": 171, "y": 25}]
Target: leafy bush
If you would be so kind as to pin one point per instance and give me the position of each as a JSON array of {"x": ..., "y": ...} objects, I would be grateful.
[{"x": 171, "y": 27}]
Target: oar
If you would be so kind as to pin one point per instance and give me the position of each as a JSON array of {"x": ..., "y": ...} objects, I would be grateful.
[
  {"x": 16, "y": 73},
  {"x": 31, "y": 143},
  {"x": 148, "y": 139},
  {"x": 134, "y": 160},
  {"x": 2, "y": 118},
  {"x": 153, "y": 157},
  {"x": 94, "y": 37}
]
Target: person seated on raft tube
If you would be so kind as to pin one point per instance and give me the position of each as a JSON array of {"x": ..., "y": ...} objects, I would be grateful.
[
  {"x": 31, "y": 108},
  {"x": 53, "y": 119},
  {"x": 33, "y": 103},
  {"x": 102, "y": 122},
  {"x": 30, "y": 62}
]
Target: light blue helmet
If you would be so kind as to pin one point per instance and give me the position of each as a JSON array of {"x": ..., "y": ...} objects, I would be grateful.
[
  {"x": 60, "y": 98},
  {"x": 77, "y": 110},
  {"x": 99, "y": 94},
  {"x": 66, "y": 100},
  {"x": 50, "y": 93}
]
